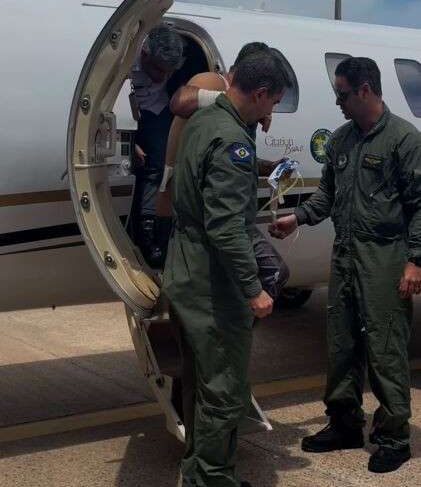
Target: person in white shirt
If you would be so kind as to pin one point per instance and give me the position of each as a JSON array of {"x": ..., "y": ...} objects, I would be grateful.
[{"x": 161, "y": 55}]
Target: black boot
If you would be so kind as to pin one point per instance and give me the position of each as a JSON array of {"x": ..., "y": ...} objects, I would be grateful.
[
  {"x": 333, "y": 437},
  {"x": 155, "y": 258},
  {"x": 151, "y": 251},
  {"x": 146, "y": 235},
  {"x": 245, "y": 484},
  {"x": 387, "y": 459}
]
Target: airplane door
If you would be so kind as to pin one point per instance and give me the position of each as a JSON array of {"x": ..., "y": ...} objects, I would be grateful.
[
  {"x": 91, "y": 147},
  {"x": 91, "y": 144}
]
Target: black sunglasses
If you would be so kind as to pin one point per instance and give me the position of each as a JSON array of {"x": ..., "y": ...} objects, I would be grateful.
[{"x": 342, "y": 96}]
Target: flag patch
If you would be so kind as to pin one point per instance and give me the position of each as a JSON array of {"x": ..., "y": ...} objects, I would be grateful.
[{"x": 241, "y": 153}]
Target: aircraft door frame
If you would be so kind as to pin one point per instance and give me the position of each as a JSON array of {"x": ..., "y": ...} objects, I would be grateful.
[{"x": 91, "y": 140}]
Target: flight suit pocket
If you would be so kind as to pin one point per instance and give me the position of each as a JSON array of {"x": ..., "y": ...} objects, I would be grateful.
[
  {"x": 386, "y": 213},
  {"x": 396, "y": 336},
  {"x": 382, "y": 203},
  {"x": 334, "y": 331},
  {"x": 388, "y": 335},
  {"x": 373, "y": 174}
]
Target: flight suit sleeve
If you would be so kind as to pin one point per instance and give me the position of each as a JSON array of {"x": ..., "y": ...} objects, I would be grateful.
[
  {"x": 409, "y": 152},
  {"x": 318, "y": 207},
  {"x": 227, "y": 190}
]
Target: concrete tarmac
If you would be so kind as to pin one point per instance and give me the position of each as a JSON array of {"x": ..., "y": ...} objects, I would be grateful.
[
  {"x": 143, "y": 454},
  {"x": 80, "y": 359}
]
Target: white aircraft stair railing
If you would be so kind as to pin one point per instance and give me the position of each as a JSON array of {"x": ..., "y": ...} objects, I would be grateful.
[{"x": 162, "y": 385}]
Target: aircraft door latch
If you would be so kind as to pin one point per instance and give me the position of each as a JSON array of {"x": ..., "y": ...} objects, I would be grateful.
[{"x": 106, "y": 138}]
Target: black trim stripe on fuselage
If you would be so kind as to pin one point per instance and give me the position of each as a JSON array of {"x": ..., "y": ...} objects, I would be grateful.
[
  {"x": 81, "y": 243},
  {"x": 38, "y": 235}
]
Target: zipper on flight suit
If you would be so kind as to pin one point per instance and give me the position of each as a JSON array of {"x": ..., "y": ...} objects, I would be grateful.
[
  {"x": 384, "y": 183},
  {"x": 380, "y": 188},
  {"x": 351, "y": 214}
]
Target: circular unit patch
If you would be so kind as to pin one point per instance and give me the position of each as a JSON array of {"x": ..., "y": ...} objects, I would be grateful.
[
  {"x": 342, "y": 160},
  {"x": 318, "y": 145}
]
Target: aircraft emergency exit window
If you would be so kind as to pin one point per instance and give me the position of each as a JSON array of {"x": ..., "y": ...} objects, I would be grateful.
[
  {"x": 333, "y": 59},
  {"x": 289, "y": 102},
  {"x": 409, "y": 75}
]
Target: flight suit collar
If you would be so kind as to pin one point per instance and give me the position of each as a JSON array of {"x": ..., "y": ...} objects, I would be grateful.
[
  {"x": 223, "y": 102},
  {"x": 380, "y": 125}
]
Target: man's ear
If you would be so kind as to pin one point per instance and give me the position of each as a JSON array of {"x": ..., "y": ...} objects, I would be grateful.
[
  {"x": 365, "y": 90},
  {"x": 260, "y": 93}
]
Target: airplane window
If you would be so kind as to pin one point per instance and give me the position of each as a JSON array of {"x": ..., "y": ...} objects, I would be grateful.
[
  {"x": 333, "y": 59},
  {"x": 409, "y": 75},
  {"x": 289, "y": 102}
]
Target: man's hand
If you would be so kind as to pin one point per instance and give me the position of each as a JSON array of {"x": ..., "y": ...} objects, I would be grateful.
[
  {"x": 262, "y": 305},
  {"x": 141, "y": 156},
  {"x": 266, "y": 123},
  {"x": 411, "y": 281},
  {"x": 283, "y": 227},
  {"x": 266, "y": 167}
]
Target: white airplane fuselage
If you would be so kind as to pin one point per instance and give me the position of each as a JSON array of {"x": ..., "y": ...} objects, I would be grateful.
[{"x": 43, "y": 259}]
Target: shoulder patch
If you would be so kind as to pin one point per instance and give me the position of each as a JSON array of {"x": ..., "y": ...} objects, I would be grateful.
[
  {"x": 318, "y": 144},
  {"x": 241, "y": 153}
]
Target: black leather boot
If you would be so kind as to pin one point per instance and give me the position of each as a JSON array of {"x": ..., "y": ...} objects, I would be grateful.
[
  {"x": 333, "y": 437},
  {"x": 387, "y": 459},
  {"x": 151, "y": 251}
]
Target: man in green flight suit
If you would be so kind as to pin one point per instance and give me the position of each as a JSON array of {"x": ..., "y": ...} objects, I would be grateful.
[
  {"x": 211, "y": 275},
  {"x": 371, "y": 188}
]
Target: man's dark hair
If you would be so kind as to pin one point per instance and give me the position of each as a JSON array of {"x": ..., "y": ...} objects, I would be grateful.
[
  {"x": 262, "y": 70},
  {"x": 360, "y": 70},
  {"x": 165, "y": 44},
  {"x": 248, "y": 49}
]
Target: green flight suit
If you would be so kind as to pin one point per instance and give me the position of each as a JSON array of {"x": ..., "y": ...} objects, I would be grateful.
[
  {"x": 210, "y": 274},
  {"x": 371, "y": 188}
]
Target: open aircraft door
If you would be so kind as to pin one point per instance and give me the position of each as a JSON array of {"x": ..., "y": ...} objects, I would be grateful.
[{"x": 91, "y": 142}]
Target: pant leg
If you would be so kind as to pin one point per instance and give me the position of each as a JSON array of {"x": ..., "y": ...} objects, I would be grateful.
[
  {"x": 189, "y": 401},
  {"x": 389, "y": 376},
  {"x": 273, "y": 271},
  {"x": 152, "y": 136},
  {"x": 150, "y": 233},
  {"x": 346, "y": 355},
  {"x": 388, "y": 325},
  {"x": 221, "y": 351}
]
